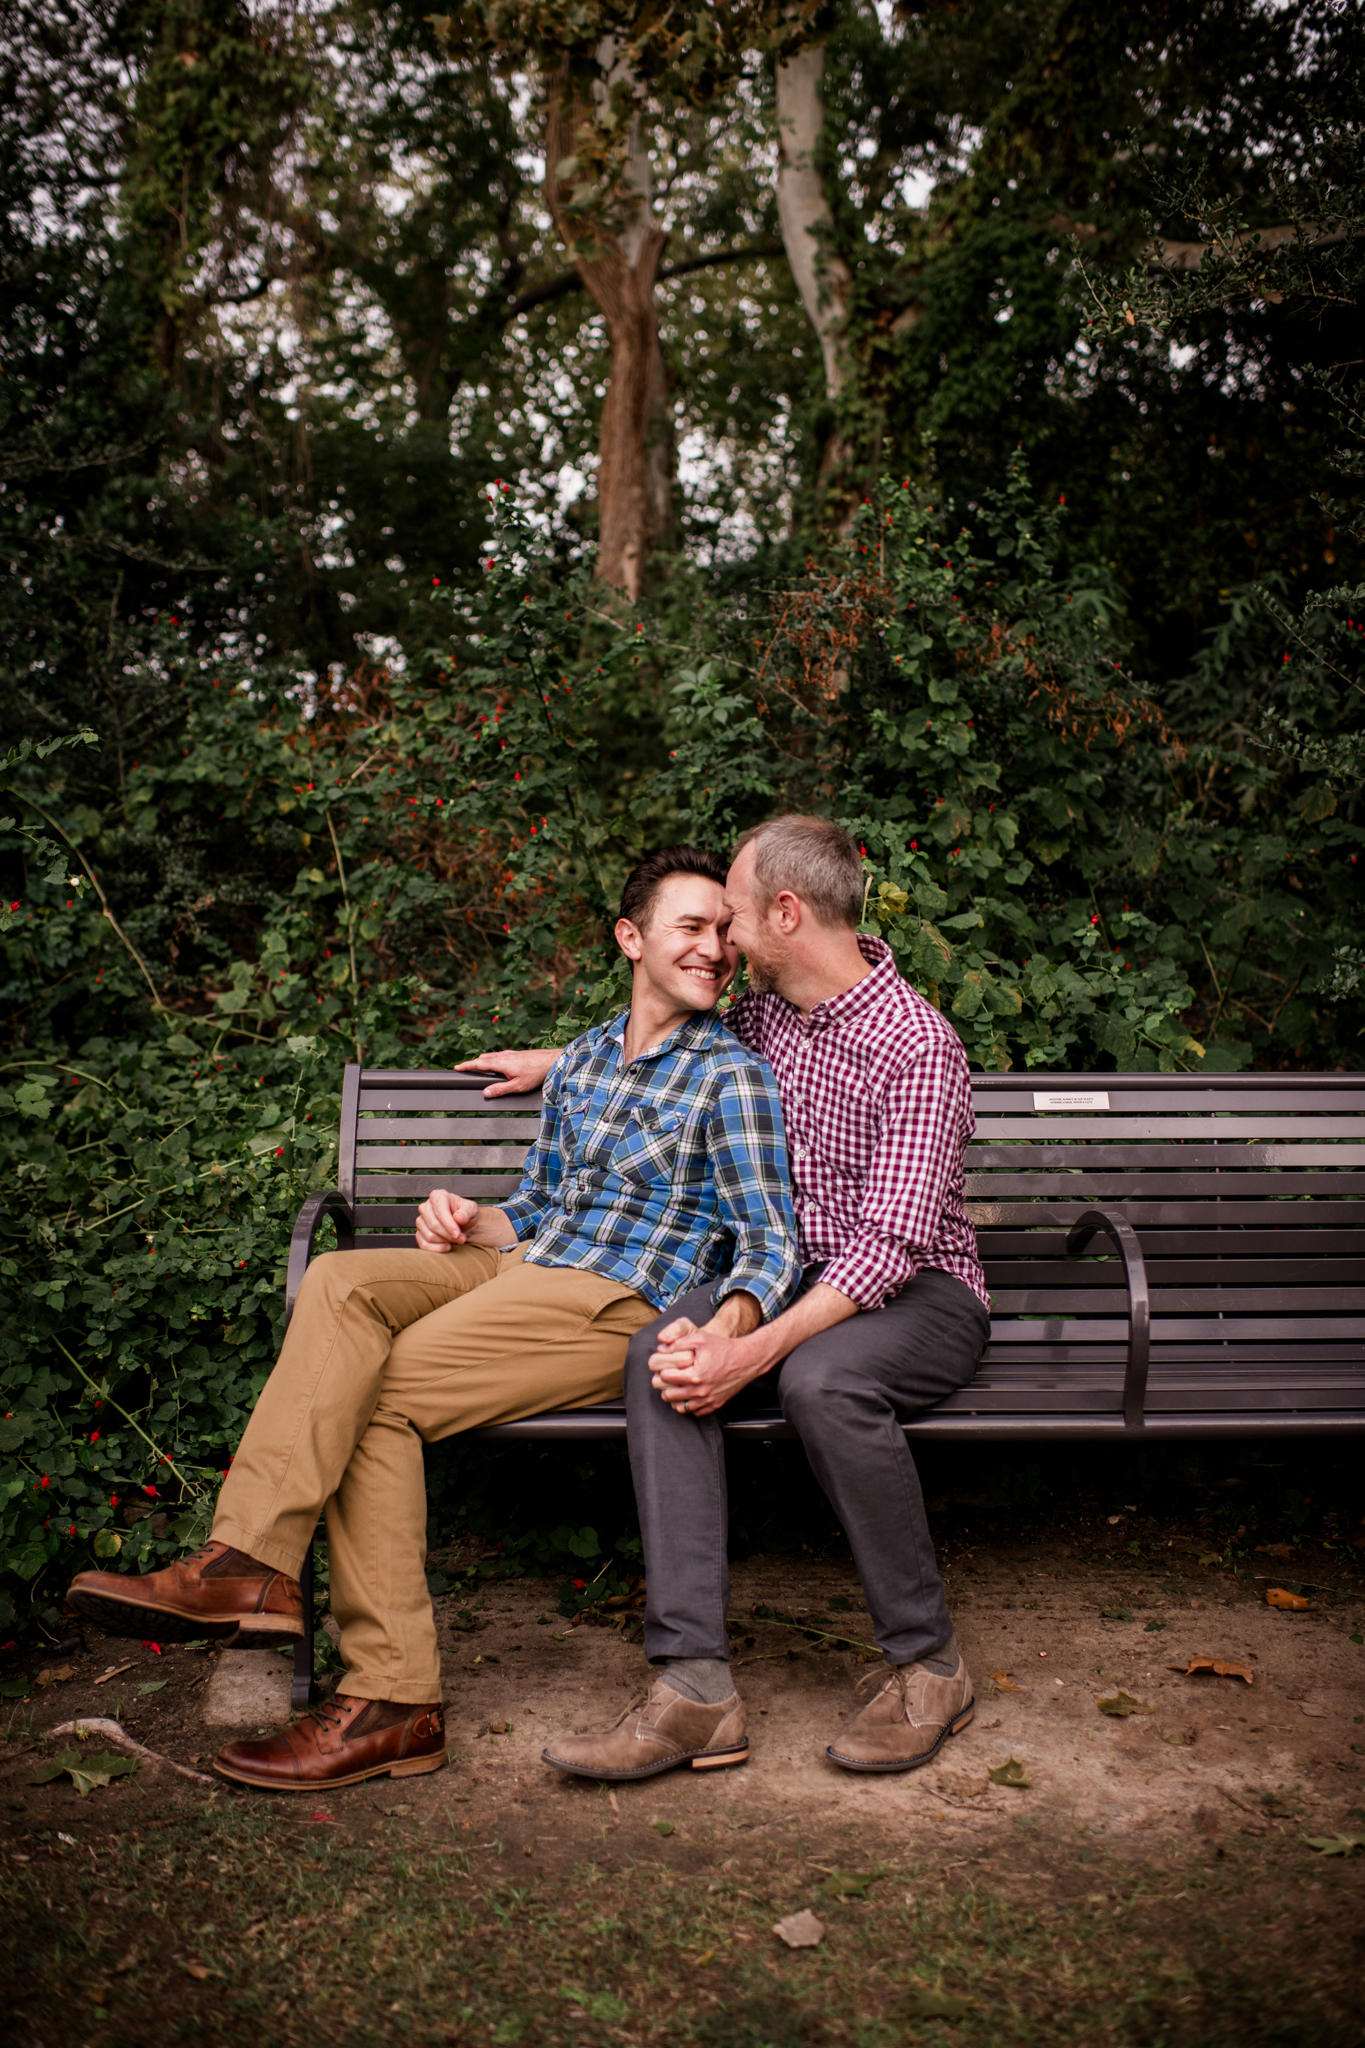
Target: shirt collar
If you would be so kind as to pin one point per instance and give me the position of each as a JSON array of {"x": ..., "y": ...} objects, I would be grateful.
[
  {"x": 849, "y": 1002},
  {"x": 688, "y": 1036}
]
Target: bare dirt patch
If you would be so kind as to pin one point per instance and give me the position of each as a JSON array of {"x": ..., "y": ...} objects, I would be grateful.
[{"x": 1143, "y": 1887}]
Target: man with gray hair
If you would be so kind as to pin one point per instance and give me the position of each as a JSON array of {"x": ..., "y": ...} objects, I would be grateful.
[{"x": 891, "y": 1316}]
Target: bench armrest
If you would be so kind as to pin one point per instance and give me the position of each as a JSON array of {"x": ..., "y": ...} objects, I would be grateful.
[
  {"x": 306, "y": 1226},
  {"x": 1124, "y": 1239}
]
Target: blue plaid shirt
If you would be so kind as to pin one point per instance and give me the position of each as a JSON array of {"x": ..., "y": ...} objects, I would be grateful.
[{"x": 664, "y": 1173}]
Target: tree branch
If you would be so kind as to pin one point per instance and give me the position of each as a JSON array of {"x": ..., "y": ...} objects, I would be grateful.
[{"x": 570, "y": 281}]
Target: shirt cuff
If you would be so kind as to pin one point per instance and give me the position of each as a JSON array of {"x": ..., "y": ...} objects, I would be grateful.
[
  {"x": 872, "y": 1268},
  {"x": 771, "y": 1290}
]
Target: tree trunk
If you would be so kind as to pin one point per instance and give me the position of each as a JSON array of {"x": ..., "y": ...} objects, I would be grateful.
[
  {"x": 822, "y": 276},
  {"x": 636, "y": 454}
]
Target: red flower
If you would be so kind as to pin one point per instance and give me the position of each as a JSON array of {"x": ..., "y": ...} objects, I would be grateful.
[
  {"x": 155, "y": 1648},
  {"x": 94, "y": 1436},
  {"x": 113, "y": 1500},
  {"x": 43, "y": 1483},
  {"x": 150, "y": 1491},
  {"x": 71, "y": 1529},
  {"x": 578, "y": 1584}
]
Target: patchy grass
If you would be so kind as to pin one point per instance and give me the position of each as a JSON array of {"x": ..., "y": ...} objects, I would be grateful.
[{"x": 143, "y": 1921}]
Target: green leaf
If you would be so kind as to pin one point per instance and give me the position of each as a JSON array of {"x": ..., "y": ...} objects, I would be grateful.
[
  {"x": 1118, "y": 1613},
  {"x": 840, "y": 1886},
  {"x": 1011, "y": 1772},
  {"x": 1121, "y": 1704},
  {"x": 85, "y": 1772},
  {"x": 935, "y": 2005},
  {"x": 1335, "y": 1845},
  {"x": 607, "y": 2006},
  {"x": 664, "y": 1827}
]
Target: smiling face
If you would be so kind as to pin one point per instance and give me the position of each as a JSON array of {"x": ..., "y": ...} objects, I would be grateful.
[
  {"x": 683, "y": 953},
  {"x": 754, "y": 932}
]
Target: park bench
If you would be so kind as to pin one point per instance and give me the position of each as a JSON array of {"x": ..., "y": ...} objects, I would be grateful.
[{"x": 1169, "y": 1255}]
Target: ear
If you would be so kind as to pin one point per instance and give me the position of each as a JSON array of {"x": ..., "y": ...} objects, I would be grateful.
[
  {"x": 628, "y": 939},
  {"x": 785, "y": 911}
]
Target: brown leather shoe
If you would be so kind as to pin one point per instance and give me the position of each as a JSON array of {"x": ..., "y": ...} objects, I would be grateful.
[
  {"x": 656, "y": 1734},
  {"x": 907, "y": 1721},
  {"x": 339, "y": 1743},
  {"x": 220, "y": 1593}
]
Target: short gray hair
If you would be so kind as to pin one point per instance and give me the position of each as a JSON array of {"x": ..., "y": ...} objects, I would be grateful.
[{"x": 815, "y": 859}]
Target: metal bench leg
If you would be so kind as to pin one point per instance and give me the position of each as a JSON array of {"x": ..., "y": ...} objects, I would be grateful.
[{"x": 301, "y": 1693}]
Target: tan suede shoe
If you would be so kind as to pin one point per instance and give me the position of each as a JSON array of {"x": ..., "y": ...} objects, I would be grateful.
[
  {"x": 907, "y": 1721},
  {"x": 220, "y": 1593},
  {"x": 339, "y": 1743},
  {"x": 656, "y": 1734}
]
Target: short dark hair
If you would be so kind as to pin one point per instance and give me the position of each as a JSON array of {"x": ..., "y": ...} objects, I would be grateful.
[
  {"x": 815, "y": 859},
  {"x": 644, "y": 882}
]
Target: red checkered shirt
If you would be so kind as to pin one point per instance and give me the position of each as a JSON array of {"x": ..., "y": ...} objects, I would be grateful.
[{"x": 877, "y": 1097}]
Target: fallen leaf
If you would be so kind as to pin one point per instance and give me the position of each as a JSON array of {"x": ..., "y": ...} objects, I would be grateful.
[
  {"x": 1002, "y": 1682},
  {"x": 85, "y": 1772},
  {"x": 115, "y": 1671},
  {"x": 934, "y": 2005},
  {"x": 129, "y": 1962},
  {"x": 1217, "y": 1666},
  {"x": 1275, "y": 1596},
  {"x": 1153, "y": 1628},
  {"x": 1212, "y": 1557},
  {"x": 800, "y": 1930},
  {"x": 153, "y": 1685},
  {"x": 1116, "y": 1614},
  {"x": 707, "y": 1956},
  {"x": 201, "y": 1971},
  {"x": 840, "y": 1886},
  {"x": 1011, "y": 1772},
  {"x": 256, "y": 1927},
  {"x": 1122, "y": 1705},
  {"x": 390, "y": 1810},
  {"x": 1275, "y": 1549},
  {"x": 664, "y": 1827},
  {"x": 1335, "y": 1845},
  {"x": 58, "y": 1675},
  {"x": 1315, "y": 1712}
]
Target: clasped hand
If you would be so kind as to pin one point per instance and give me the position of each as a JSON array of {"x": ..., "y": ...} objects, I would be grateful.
[
  {"x": 445, "y": 1220},
  {"x": 699, "y": 1370}
]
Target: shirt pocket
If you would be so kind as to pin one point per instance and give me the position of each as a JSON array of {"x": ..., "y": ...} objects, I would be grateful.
[{"x": 647, "y": 1150}]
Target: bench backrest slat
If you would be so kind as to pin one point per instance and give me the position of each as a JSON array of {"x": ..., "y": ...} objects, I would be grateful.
[{"x": 1247, "y": 1193}]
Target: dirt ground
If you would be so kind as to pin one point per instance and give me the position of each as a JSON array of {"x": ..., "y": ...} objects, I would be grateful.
[{"x": 1176, "y": 1834}]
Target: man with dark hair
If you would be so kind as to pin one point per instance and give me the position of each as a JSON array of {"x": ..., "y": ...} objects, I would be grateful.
[
  {"x": 891, "y": 1315},
  {"x": 659, "y": 1171}
]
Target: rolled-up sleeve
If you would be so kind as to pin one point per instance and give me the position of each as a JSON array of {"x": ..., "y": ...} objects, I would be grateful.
[
  {"x": 747, "y": 1145},
  {"x": 926, "y": 1120},
  {"x": 544, "y": 1168}
]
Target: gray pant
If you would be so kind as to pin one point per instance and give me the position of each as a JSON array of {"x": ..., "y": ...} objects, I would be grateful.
[{"x": 846, "y": 1393}]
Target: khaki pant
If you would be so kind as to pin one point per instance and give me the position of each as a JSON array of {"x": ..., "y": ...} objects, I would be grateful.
[{"x": 388, "y": 1350}]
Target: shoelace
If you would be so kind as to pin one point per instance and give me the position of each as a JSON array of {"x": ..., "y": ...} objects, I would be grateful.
[
  {"x": 328, "y": 1714},
  {"x": 895, "y": 1681}
]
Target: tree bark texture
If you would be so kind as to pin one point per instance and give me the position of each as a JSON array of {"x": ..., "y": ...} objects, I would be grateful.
[
  {"x": 822, "y": 276},
  {"x": 637, "y": 460}
]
